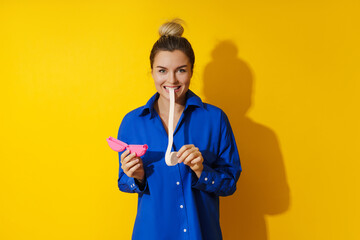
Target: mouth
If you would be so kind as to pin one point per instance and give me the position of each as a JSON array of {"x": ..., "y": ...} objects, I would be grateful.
[{"x": 176, "y": 88}]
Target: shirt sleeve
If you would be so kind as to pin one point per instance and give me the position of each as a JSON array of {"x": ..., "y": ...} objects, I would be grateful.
[
  {"x": 221, "y": 177},
  {"x": 125, "y": 183}
]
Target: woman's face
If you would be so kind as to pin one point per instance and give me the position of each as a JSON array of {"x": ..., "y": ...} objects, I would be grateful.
[{"x": 172, "y": 70}]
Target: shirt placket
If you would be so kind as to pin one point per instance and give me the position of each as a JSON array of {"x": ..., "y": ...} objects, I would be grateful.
[{"x": 180, "y": 204}]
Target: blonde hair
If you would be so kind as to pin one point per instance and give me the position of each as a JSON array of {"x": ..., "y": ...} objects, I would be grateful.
[
  {"x": 171, "y": 39},
  {"x": 172, "y": 28}
]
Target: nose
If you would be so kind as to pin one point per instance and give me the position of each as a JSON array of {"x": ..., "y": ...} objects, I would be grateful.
[{"x": 172, "y": 78}]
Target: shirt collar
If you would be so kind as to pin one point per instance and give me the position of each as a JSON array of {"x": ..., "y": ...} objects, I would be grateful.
[{"x": 191, "y": 100}]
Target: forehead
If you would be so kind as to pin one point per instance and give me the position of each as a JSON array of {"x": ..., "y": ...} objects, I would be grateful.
[{"x": 170, "y": 59}]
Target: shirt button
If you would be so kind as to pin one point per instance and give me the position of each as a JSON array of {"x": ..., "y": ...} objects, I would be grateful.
[
  {"x": 213, "y": 182},
  {"x": 177, "y": 183},
  {"x": 181, "y": 206},
  {"x": 184, "y": 229},
  {"x": 206, "y": 179}
]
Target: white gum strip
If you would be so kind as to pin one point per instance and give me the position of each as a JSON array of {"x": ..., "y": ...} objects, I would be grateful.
[{"x": 170, "y": 157}]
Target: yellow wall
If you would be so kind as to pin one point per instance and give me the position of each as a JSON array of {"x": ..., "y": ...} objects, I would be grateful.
[{"x": 286, "y": 73}]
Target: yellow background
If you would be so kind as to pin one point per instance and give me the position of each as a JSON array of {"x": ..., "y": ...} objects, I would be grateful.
[{"x": 285, "y": 72}]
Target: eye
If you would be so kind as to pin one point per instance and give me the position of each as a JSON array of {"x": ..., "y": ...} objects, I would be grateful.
[
  {"x": 161, "y": 70},
  {"x": 182, "y": 70}
]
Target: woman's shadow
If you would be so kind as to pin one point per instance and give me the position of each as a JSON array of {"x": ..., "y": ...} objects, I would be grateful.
[{"x": 262, "y": 188}]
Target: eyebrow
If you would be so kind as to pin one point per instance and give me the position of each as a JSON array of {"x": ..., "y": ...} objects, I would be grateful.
[{"x": 176, "y": 68}]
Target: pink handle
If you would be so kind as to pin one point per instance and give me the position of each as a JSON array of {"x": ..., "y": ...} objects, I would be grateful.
[
  {"x": 119, "y": 146},
  {"x": 116, "y": 144},
  {"x": 140, "y": 150}
]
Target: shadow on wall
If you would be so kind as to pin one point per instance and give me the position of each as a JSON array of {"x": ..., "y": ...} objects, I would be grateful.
[{"x": 262, "y": 188}]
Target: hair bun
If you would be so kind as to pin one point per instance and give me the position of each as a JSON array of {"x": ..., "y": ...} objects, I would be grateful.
[{"x": 172, "y": 28}]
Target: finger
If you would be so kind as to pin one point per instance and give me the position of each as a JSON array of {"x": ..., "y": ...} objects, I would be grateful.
[
  {"x": 128, "y": 158},
  {"x": 183, "y": 149},
  {"x": 130, "y": 164},
  {"x": 196, "y": 160},
  {"x": 186, "y": 154},
  {"x": 190, "y": 157},
  {"x": 133, "y": 169},
  {"x": 124, "y": 154},
  {"x": 126, "y": 166}
]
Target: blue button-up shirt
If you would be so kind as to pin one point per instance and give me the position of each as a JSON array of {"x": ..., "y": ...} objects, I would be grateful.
[{"x": 175, "y": 203}]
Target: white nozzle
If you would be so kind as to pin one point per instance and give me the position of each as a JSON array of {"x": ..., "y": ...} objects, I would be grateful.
[{"x": 170, "y": 157}]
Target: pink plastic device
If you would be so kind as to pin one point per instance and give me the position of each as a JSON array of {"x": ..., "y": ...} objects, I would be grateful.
[{"x": 120, "y": 146}]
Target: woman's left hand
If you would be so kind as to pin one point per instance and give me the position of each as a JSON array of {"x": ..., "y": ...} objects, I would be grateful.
[{"x": 191, "y": 156}]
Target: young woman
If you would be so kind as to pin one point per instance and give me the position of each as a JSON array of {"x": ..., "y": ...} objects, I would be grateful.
[{"x": 181, "y": 201}]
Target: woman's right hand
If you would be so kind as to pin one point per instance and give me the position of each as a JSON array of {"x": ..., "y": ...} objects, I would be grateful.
[{"x": 132, "y": 166}]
